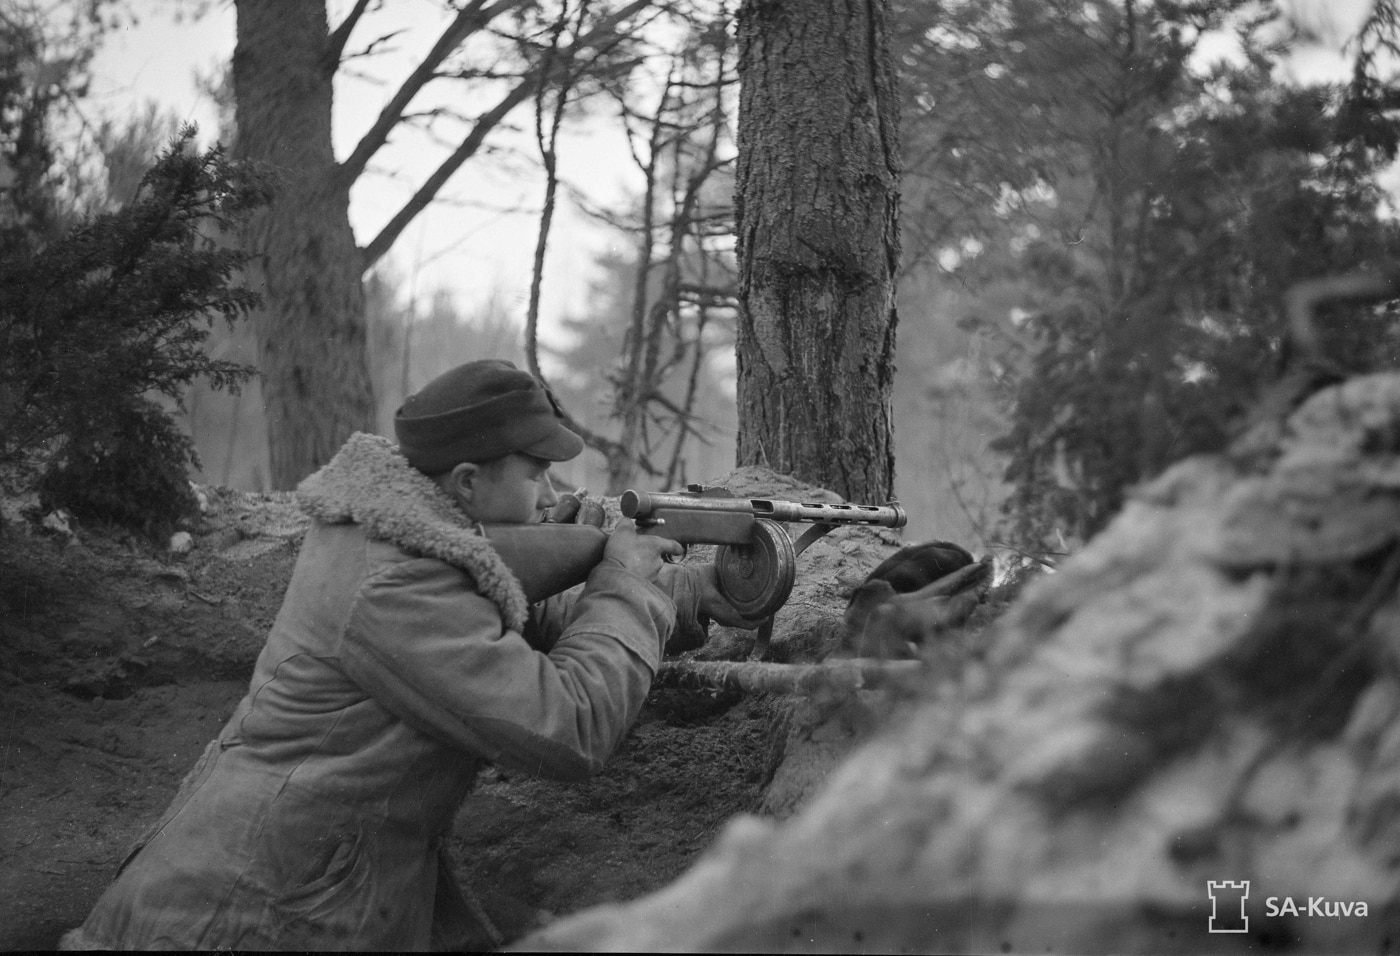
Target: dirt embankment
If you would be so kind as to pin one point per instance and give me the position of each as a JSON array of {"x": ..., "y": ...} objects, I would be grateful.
[
  {"x": 120, "y": 662},
  {"x": 118, "y": 665}
]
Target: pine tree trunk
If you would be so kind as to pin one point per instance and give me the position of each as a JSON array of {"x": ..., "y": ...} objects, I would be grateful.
[
  {"x": 311, "y": 329},
  {"x": 818, "y": 217}
]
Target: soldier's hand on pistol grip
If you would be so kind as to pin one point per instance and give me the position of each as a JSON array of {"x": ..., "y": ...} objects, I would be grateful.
[{"x": 643, "y": 555}]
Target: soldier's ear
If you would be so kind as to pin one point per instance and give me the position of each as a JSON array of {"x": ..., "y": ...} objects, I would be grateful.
[{"x": 462, "y": 481}]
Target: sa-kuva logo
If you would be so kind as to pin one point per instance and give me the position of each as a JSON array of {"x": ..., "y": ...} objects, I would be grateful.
[{"x": 1227, "y": 898}]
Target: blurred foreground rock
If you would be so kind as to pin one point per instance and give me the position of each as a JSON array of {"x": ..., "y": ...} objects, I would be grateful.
[{"x": 1208, "y": 693}]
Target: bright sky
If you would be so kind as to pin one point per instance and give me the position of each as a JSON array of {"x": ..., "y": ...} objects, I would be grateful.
[
  {"x": 468, "y": 246},
  {"x": 469, "y": 243}
]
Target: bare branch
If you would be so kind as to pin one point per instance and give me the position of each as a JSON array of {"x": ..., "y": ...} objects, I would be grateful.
[
  {"x": 485, "y": 124},
  {"x": 469, "y": 19},
  {"x": 381, "y": 243},
  {"x": 335, "y": 43},
  {"x": 752, "y": 677},
  {"x": 372, "y": 48},
  {"x": 1302, "y": 299},
  {"x": 427, "y": 117},
  {"x": 548, "y": 155}
]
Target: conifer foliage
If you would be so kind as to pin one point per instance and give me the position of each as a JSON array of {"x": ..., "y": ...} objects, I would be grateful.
[
  {"x": 1143, "y": 182},
  {"x": 100, "y": 322}
]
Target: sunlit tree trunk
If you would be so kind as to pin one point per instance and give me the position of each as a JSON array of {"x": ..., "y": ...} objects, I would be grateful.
[
  {"x": 818, "y": 217},
  {"x": 311, "y": 330}
]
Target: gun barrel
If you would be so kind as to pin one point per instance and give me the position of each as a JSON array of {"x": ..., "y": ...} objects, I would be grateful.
[{"x": 642, "y": 504}]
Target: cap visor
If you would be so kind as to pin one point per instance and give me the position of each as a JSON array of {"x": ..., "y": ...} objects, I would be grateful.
[{"x": 560, "y": 444}]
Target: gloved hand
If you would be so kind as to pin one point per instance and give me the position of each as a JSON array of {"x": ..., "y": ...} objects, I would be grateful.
[{"x": 574, "y": 508}]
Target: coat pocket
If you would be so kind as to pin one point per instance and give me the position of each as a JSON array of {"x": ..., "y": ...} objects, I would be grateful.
[{"x": 320, "y": 906}]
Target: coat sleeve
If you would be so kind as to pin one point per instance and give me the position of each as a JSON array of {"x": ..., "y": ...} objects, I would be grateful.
[
  {"x": 434, "y": 652},
  {"x": 680, "y": 582}
]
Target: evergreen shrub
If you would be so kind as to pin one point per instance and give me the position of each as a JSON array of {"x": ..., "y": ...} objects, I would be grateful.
[{"x": 112, "y": 314}]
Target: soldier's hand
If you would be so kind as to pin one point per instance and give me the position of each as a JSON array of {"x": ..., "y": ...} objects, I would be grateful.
[
  {"x": 712, "y": 602},
  {"x": 574, "y": 508},
  {"x": 643, "y": 555}
]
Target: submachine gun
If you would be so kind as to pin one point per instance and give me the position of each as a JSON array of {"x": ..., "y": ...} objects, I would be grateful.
[{"x": 755, "y": 561}]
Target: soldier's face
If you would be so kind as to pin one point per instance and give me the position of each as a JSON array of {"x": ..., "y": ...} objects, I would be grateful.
[{"x": 512, "y": 490}]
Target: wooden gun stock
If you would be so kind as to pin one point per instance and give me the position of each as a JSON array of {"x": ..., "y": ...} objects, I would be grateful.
[{"x": 547, "y": 558}]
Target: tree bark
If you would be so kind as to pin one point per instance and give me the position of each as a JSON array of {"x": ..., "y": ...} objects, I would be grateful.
[
  {"x": 311, "y": 329},
  {"x": 817, "y": 201}
]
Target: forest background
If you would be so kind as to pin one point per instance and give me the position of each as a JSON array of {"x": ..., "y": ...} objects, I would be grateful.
[{"x": 1103, "y": 203}]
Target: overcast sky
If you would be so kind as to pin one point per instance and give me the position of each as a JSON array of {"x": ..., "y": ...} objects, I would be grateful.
[
  {"x": 464, "y": 244},
  {"x": 465, "y": 247}
]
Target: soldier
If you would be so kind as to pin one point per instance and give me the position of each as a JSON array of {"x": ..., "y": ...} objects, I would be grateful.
[{"x": 404, "y": 657}]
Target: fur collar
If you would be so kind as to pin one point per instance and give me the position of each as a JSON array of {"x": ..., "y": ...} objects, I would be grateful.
[{"x": 370, "y": 483}]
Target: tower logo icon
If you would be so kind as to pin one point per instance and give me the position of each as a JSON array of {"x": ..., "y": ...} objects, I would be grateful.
[{"x": 1227, "y": 905}]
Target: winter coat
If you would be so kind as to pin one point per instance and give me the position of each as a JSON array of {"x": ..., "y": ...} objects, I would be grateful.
[{"x": 404, "y": 656}]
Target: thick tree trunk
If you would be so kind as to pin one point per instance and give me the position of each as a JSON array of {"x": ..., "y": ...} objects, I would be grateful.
[
  {"x": 818, "y": 217},
  {"x": 311, "y": 330}
]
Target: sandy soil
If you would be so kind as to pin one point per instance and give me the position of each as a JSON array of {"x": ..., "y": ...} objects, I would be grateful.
[{"x": 118, "y": 663}]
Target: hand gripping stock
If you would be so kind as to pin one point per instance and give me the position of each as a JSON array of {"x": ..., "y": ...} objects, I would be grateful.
[{"x": 756, "y": 560}]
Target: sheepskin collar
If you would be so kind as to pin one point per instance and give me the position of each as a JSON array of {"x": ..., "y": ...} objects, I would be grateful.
[{"x": 370, "y": 483}]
